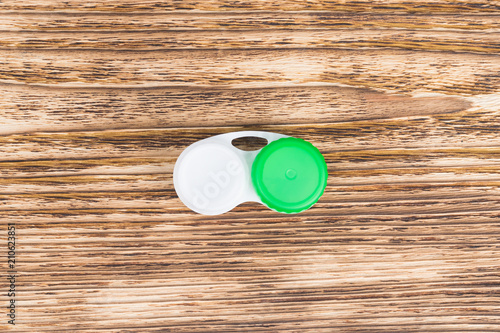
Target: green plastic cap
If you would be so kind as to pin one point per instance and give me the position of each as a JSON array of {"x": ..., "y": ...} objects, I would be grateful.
[{"x": 289, "y": 175}]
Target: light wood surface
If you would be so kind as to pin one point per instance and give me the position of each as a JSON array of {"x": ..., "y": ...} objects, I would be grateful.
[{"x": 98, "y": 98}]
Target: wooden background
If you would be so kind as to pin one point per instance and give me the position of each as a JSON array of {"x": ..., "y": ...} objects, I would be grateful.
[{"x": 98, "y": 98}]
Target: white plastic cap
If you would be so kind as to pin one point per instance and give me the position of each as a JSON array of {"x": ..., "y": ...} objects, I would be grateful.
[{"x": 212, "y": 176}]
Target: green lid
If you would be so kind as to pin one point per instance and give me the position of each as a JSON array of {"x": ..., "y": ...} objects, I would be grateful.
[{"x": 289, "y": 175}]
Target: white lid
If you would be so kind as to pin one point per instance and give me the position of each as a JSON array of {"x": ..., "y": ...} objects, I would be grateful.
[{"x": 212, "y": 176}]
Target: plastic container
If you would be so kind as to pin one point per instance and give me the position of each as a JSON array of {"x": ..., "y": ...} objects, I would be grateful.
[{"x": 212, "y": 176}]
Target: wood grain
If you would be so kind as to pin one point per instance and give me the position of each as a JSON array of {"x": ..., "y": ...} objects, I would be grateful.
[
  {"x": 170, "y": 107},
  {"x": 390, "y": 70},
  {"x": 402, "y": 98},
  {"x": 481, "y": 6},
  {"x": 220, "y": 21}
]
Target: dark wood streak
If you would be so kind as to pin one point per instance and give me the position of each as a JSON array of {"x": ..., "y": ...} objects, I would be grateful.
[
  {"x": 244, "y": 20},
  {"x": 456, "y": 41}
]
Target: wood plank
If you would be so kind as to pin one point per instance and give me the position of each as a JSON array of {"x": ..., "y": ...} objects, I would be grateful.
[
  {"x": 44, "y": 109},
  {"x": 392, "y": 70},
  {"x": 409, "y": 39},
  {"x": 472, "y": 130},
  {"x": 402, "y": 6},
  {"x": 99, "y": 99},
  {"x": 246, "y": 20}
]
